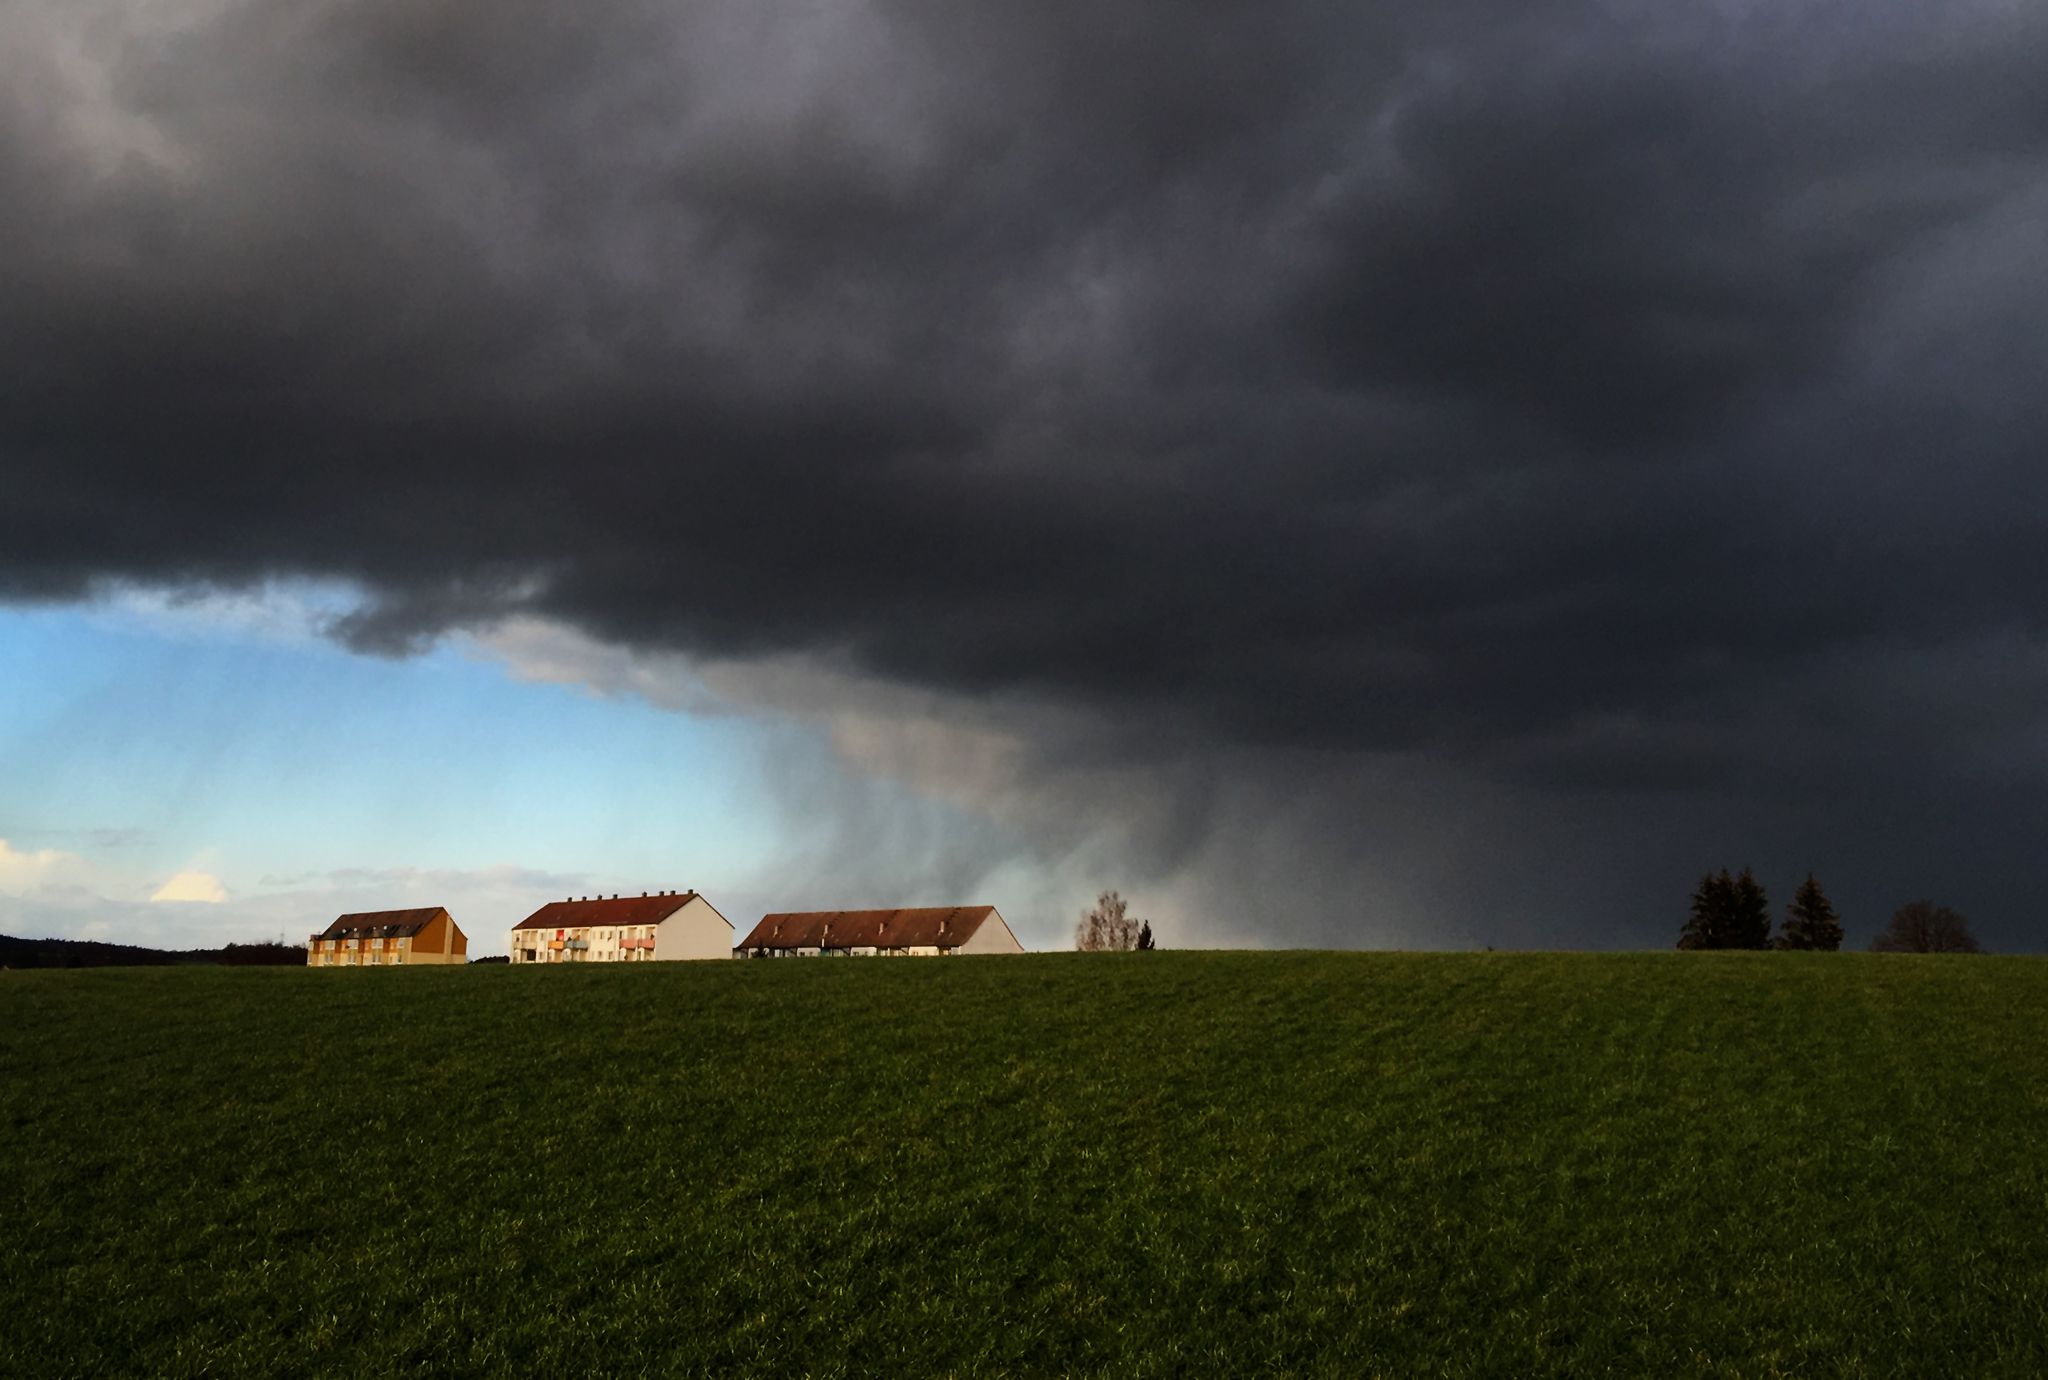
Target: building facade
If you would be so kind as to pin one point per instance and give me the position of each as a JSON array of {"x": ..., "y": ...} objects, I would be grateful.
[
  {"x": 623, "y": 929},
  {"x": 924, "y": 932},
  {"x": 389, "y": 939}
]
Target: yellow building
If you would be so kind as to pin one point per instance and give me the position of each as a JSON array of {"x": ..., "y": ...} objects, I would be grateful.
[{"x": 388, "y": 938}]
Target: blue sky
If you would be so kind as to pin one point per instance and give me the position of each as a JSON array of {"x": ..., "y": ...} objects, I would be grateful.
[{"x": 140, "y": 744}]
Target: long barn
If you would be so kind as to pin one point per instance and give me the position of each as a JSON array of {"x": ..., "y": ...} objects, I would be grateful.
[{"x": 919, "y": 932}]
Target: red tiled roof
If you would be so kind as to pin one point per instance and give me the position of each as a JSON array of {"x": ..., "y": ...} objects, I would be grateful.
[
  {"x": 606, "y": 910},
  {"x": 941, "y": 926},
  {"x": 398, "y": 923}
]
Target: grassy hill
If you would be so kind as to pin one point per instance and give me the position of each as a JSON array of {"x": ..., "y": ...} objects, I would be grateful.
[{"x": 1318, "y": 1164}]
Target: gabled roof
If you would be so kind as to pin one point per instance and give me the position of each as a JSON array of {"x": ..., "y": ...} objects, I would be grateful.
[
  {"x": 610, "y": 910},
  {"x": 923, "y": 927},
  {"x": 381, "y": 924}
]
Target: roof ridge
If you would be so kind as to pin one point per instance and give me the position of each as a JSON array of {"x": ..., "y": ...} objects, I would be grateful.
[{"x": 893, "y": 927}]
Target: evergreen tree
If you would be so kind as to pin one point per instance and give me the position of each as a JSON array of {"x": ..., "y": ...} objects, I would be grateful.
[
  {"x": 1728, "y": 912},
  {"x": 1707, "y": 926},
  {"x": 1145, "y": 937},
  {"x": 1749, "y": 914},
  {"x": 1810, "y": 921}
]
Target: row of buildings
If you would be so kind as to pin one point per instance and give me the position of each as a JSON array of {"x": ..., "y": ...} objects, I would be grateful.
[{"x": 659, "y": 926}]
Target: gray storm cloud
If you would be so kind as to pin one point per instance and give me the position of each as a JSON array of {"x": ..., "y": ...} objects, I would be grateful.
[{"x": 1437, "y": 470}]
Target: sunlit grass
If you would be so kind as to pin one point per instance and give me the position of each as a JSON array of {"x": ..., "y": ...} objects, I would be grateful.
[{"x": 1145, "y": 1164}]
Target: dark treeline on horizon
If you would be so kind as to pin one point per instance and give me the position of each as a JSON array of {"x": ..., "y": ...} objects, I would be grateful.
[
  {"x": 94, "y": 953},
  {"x": 1732, "y": 912}
]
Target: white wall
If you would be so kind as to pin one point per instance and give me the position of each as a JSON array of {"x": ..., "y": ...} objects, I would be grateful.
[
  {"x": 694, "y": 931},
  {"x": 993, "y": 937}
]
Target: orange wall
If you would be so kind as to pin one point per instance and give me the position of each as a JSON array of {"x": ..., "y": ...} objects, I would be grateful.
[{"x": 439, "y": 941}]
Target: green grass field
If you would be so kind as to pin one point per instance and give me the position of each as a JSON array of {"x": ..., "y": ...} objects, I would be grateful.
[{"x": 1167, "y": 1164}]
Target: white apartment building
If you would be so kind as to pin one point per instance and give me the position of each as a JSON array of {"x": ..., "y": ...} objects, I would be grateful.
[{"x": 623, "y": 929}]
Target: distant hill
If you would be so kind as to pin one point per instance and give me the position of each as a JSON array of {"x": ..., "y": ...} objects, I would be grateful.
[{"x": 92, "y": 953}]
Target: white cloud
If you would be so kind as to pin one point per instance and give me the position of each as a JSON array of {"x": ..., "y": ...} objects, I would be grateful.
[
  {"x": 295, "y": 612},
  {"x": 192, "y": 886},
  {"x": 485, "y": 901},
  {"x": 543, "y": 652},
  {"x": 24, "y": 870}
]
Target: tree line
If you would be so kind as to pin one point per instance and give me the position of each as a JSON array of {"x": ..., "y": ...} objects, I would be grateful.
[
  {"x": 1732, "y": 912},
  {"x": 97, "y": 953}
]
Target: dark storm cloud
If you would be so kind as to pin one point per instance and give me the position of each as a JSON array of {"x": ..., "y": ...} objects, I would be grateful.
[{"x": 1598, "y": 397}]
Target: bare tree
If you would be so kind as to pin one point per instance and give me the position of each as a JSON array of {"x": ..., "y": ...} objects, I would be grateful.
[
  {"x": 1921, "y": 927},
  {"x": 1107, "y": 925}
]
